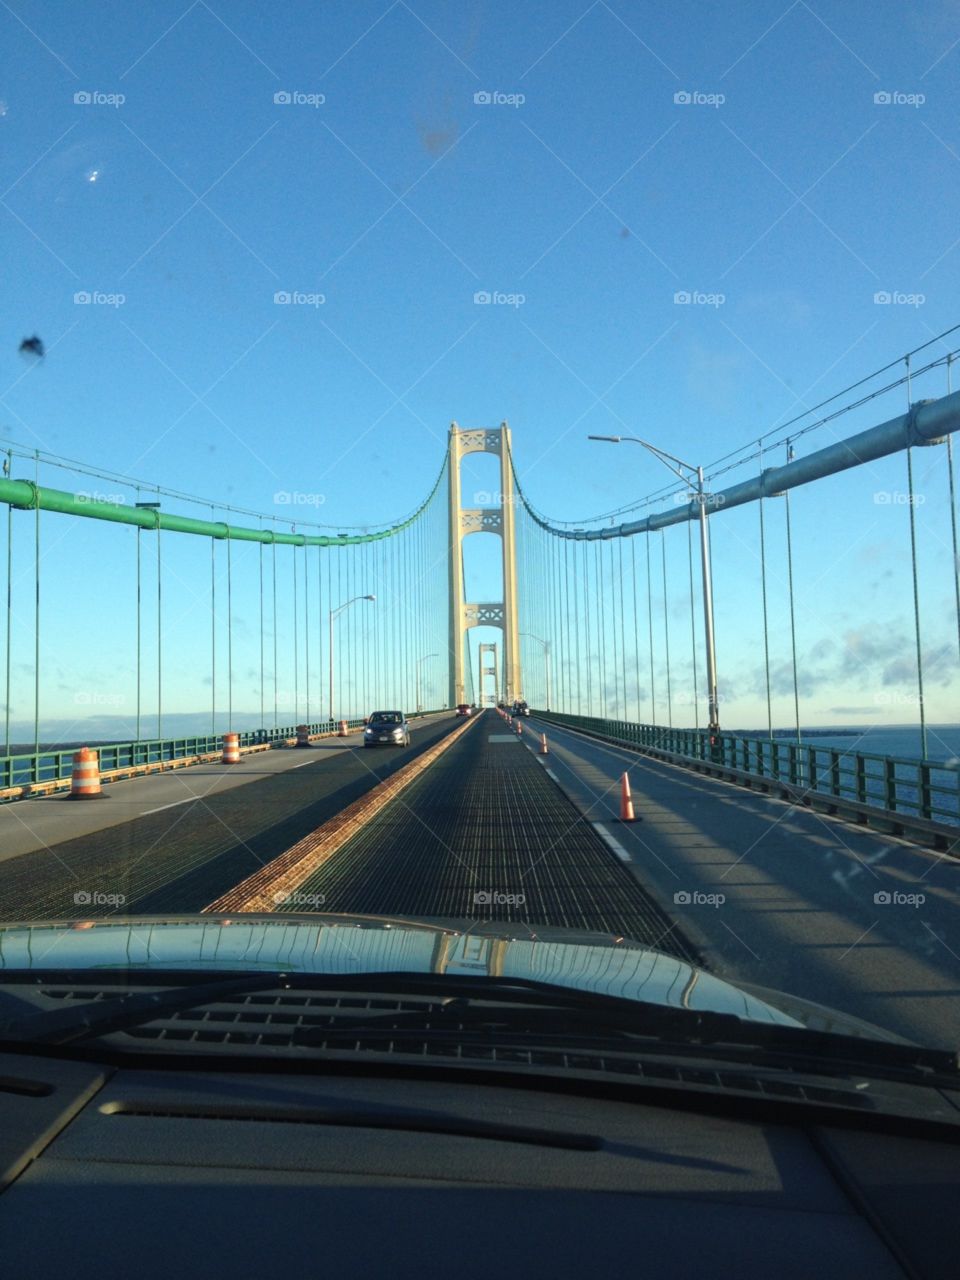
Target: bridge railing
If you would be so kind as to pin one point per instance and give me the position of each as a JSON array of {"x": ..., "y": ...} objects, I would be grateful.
[
  {"x": 35, "y": 767},
  {"x": 924, "y": 790}
]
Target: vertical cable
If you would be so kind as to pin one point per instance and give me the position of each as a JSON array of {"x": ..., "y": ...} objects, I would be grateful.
[
  {"x": 36, "y": 620},
  {"x": 763, "y": 591},
  {"x": 296, "y": 635},
  {"x": 793, "y": 628},
  {"x": 666, "y": 625},
  {"x": 159, "y": 634},
  {"x": 139, "y": 643},
  {"x": 306, "y": 624},
  {"x": 636, "y": 626},
  {"x": 260, "y": 549},
  {"x": 273, "y": 583},
  {"x": 953, "y": 517},
  {"x": 229, "y": 634},
  {"x": 9, "y": 604},
  {"x": 623, "y": 631},
  {"x": 916, "y": 602},
  {"x": 693, "y": 629},
  {"x": 653, "y": 687},
  {"x": 213, "y": 629}
]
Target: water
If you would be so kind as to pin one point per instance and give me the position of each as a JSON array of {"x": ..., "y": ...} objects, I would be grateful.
[{"x": 901, "y": 741}]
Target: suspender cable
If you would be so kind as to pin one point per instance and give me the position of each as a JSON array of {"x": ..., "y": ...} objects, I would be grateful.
[
  {"x": 306, "y": 626},
  {"x": 916, "y": 602},
  {"x": 229, "y": 636},
  {"x": 693, "y": 629},
  {"x": 296, "y": 635},
  {"x": 276, "y": 695},
  {"x": 649, "y": 622},
  {"x": 953, "y": 518},
  {"x": 793, "y": 626},
  {"x": 602, "y": 629},
  {"x": 636, "y": 625},
  {"x": 6, "y": 700},
  {"x": 36, "y": 624},
  {"x": 763, "y": 593},
  {"x": 666, "y": 625},
  {"x": 260, "y": 549},
  {"x": 623, "y": 632},
  {"x": 159, "y": 638},
  {"x": 213, "y": 628}
]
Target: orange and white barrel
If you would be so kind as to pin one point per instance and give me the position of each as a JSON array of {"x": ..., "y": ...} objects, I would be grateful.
[
  {"x": 342, "y": 732},
  {"x": 303, "y": 735},
  {"x": 85, "y": 780},
  {"x": 231, "y": 748}
]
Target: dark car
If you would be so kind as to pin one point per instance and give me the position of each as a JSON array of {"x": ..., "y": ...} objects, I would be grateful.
[
  {"x": 387, "y": 729},
  {"x": 464, "y": 709}
]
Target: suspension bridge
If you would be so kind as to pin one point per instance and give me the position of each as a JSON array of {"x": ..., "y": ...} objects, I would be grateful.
[{"x": 206, "y": 673}]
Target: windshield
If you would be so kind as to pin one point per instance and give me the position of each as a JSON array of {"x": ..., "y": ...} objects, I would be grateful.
[{"x": 641, "y": 321}]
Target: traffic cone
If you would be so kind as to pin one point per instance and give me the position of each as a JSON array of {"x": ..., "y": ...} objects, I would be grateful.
[
  {"x": 543, "y": 744},
  {"x": 626, "y": 801},
  {"x": 519, "y": 729},
  {"x": 85, "y": 779}
]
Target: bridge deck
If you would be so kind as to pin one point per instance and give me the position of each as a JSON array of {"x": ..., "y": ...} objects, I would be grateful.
[{"x": 485, "y": 833}]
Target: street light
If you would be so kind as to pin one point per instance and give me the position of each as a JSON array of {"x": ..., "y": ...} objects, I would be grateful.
[
  {"x": 334, "y": 613},
  {"x": 546, "y": 659},
  {"x": 674, "y": 464},
  {"x": 419, "y": 660}
]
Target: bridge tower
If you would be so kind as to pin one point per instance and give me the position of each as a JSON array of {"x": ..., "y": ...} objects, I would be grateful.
[
  {"x": 497, "y": 518},
  {"x": 492, "y": 670}
]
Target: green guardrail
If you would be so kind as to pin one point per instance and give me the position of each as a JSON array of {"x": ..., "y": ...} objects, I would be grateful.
[
  {"x": 52, "y": 765},
  {"x": 924, "y": 789}
]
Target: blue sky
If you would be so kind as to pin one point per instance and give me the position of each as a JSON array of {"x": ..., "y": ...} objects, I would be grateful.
[{"x": 584, "y": 195}]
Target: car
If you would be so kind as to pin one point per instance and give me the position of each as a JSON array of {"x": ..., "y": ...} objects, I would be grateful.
[
  {"x": 520, "y": 708},
  {"x": 387, "y": 729},
  {"x": 464, "y": 709}
]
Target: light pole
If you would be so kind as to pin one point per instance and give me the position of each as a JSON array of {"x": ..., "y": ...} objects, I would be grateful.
[
  {"x": 333, "y": 614},
  {"x": 419, "y": 660},
  {"x": 674, "y": 464},
  {"x": 546, "y": 660}
]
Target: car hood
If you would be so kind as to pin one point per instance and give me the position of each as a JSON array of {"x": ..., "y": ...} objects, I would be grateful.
[{"x": 334, "y": 944}]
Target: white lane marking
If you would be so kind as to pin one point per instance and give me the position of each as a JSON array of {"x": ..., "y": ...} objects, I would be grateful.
[
  {"x": 170, "y": 806},
  {"x": 615, "y": 845},
  {"x": 551, "y": 774},
  {"x": 302, "y": 763}
]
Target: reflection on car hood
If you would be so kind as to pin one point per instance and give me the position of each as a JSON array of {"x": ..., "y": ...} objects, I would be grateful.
[{"x": 346, "y": 944}]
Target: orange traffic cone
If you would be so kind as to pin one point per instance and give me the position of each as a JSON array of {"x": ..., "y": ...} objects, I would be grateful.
[
  {"x": 519, "y": 729},
  {"x": 85, "y": 780},
  {"x": 626, "y": 801},
  {"x": 543, "y": 744}
]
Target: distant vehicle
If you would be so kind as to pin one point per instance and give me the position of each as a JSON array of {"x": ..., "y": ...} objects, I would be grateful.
[
  {"x": 387, "y": 729},
  {"x": 520, "y": 708},
  {"x": 464, "y": 709}
]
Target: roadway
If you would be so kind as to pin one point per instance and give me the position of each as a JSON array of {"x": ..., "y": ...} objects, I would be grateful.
[
  {"x": 799, "y": 911},
  {"x": 172, "y": 841},
  {"x": 762, "y": 891}
]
